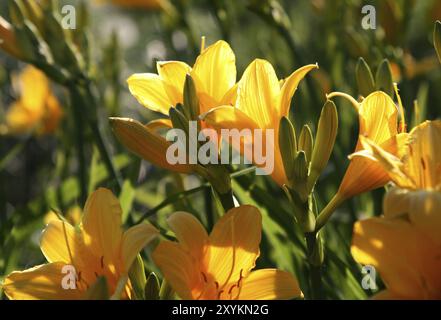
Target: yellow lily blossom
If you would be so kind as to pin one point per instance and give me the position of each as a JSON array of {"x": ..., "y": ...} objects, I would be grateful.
[
  {"x": 378, "y": 121},
  {"x": 218, "y": 266},
  {"x": 214, "y": 74},
  {"x": 262, "y": 100},
  {"x": 8, "y": 41},
  {"x": 416, "y": 176},
  {"x": 97, "y": 247},
  {"x": 406, "y": 258},
  {"x": 37, "y": 108},
  {"x": 405, "y": 244}
]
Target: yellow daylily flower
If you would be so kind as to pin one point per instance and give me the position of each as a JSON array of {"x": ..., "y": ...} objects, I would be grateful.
[
  {"x": 416, "y": 176},
  {"x": 97, "y": 247},
  {"x": 214, "y": 74},
  {"x": 37, "y": 108},
  {"x": 8, "y": 41},
  {"x": 378, "y": 121},
  {"x": 406, "y": 258},
  {"x": 218, "y": 266},
  {"x": 262, "y": 100}
]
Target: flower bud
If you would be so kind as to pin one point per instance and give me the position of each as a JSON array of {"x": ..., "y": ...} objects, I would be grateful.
[{"x": 365, "y": 79}]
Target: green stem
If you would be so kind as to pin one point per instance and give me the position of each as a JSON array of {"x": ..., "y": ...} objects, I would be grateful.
[
  {"x": 226, "y": 200},
  {"x": 89, "y": 106},
  {"x": 327, "y": 211},
  {"x": 315, "y": 271},
  {"x": 79, "y": 139}
]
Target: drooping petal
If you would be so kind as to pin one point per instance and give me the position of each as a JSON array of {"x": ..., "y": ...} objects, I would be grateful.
[
  {"x": 258, "y": 92},
  {"x": 178, "y": 268},
  {"x": 149, "y": 90},
  {"x": 134, "y": 239},
  {"x": 173, "y": 75},
  {"x": 234, "y": 244},
  {"x": 215, "y": 71},
  {"x": 407, "y": 260},
  {"x": 289, "y": 87},
  {"x": 145, "y": 143},
  {"x": 102, "y": 226},
  {"x": 190, "y": 233},
  {"x": 269, "y": 284},
  {"x": 42, "y": 282}
]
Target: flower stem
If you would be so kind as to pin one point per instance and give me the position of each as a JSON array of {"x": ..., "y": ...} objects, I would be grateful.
[
  {"x": 79, "y": 139},
  {"x": 315, "y": 271},
  {"x": 327, "y": 211}
]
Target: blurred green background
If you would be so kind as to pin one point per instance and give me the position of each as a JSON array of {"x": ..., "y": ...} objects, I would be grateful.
[{"x": 39, "y": 173}]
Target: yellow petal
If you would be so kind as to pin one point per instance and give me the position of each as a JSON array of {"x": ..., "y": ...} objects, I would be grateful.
[
  {"x": 34, "y": 87},
  {"x": 424, "y": 161},
  {"x": 159, "y": 124},
  {"x": 234, "y": 244},
  {"x": 378, "y": 117},
  {"x": 215, "y": 71},
  {"x": 173, "y": 75},
  {"x": 289, "y": 87},
  {"x": 19, "y": 119},
  {"x": 145, "y": 143},
  {"x": 102, "y": 226},
  {"x": 258, "y": 93},
  {"x": 269, "y": 284},
  {"x": 42, "y": 282},
  {"x": 406, "y": 259},
  {"x": 178, "y": 268},
  {"x": 396, "y": 202},
  {"x": 60, "y": 242},
  {"x": 52, "y": 116},
  {"x": 425, "y": 212},
  {"x": 149, "y": 90},
  {"x": 134, "y": 239},
  {"x": 190, "y": 233},
  {"x": 227, "y": 117}
]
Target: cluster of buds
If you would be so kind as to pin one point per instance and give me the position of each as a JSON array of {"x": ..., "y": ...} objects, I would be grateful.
[
  {"x": 36, "y": 35},
  {"x": 304, "y": 160}
]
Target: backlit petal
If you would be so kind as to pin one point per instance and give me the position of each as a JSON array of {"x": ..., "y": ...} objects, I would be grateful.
[
  {"x": 289, "y": 87},
  {"x": 134, "y": 239},
  {"x": 42, "y": 282},
  {"x": 234, "y": 244},
  {"x": 61, "y": 242},
  {"x": 102, "y": 226},
  {"x": 406, "y": 259},
  {"x": 215, "y": 71},
  {"x": 269, "y": 284},
  {"x": 258, "y": 93},
  {"x": 173, "y": 75},
  {"x": 149, "y": 90},
  {"x": 190, "y": 233},
  {"x": 178, "y": 268}
]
